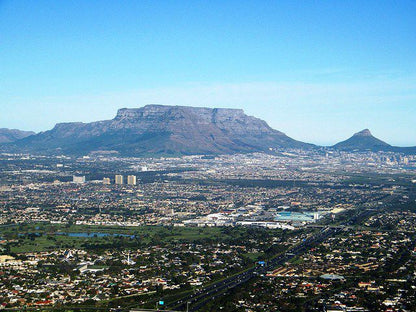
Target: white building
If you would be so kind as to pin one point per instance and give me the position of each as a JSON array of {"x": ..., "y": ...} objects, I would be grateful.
[
  {"x": 119, "y": 179},
  {"x": 131, "y": 180},
  {"x": 78, "y": 179}
]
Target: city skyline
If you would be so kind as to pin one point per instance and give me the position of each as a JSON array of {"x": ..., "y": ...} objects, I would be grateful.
[{"x": 318, "y": 72}]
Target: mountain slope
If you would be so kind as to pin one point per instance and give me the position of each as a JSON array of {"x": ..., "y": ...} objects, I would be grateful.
[
  {"x": 159, "y": 129},
  {"x": 363, "y": 141},
  {"x": 11, "y": 135}
]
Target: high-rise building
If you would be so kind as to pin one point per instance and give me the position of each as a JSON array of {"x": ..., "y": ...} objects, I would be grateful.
[
  {"x": 131, "y": 180},
  {"x": 119, "y": 179},
  {"x": 78, "y": 179},
  {"x": 106, "y": 180}
]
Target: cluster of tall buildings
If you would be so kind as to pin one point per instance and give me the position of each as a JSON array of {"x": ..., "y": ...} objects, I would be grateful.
[{"x": 119, "y": 179}]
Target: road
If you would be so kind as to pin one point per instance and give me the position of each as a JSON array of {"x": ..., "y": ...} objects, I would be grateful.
[
  {"x": 195, "y": 301},
  {"x": 210, "y": 292}
]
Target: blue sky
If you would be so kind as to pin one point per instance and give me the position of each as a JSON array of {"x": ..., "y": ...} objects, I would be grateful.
[{"x": 317, "y": 70}]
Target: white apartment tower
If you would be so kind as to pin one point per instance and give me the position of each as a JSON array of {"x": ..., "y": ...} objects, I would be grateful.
[
  {"x": 131, "y": 180},
  {"x": 119, "y": 179}
]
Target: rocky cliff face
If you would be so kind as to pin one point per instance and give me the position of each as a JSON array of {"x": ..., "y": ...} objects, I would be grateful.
[
  {"x": 176, "y": 118},
  {"x": 159, "y": 129}
]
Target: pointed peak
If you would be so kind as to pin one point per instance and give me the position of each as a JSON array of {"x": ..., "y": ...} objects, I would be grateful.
[
  {"x": 364, "y": 132},
  {"x": 363, "y": 140}
]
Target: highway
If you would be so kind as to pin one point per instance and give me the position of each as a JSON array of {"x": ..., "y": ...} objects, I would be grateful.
[
  {"x": 193, "y": 302},
  {"x": 197, "y": 300}
]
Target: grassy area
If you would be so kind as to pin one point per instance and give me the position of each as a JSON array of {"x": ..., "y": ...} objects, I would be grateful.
[
  {"x": 48, "y": 242},
  {"x": 45, "y": 236},
  {"x": 254, "y": 256},
  {"x": 297, "y": 261}
]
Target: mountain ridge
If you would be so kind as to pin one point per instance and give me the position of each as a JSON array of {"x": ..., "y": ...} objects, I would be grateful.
[
  {"x": 177, "y": 130},
  {"x": 161, "y": 129},
  {"x": 12, "y": 135}
]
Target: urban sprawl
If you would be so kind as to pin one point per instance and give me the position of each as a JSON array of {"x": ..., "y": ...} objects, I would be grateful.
[{"x": 287, "y": 231}]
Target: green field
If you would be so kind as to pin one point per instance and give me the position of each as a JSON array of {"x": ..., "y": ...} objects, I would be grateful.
[{"x": 43, "y": 237}]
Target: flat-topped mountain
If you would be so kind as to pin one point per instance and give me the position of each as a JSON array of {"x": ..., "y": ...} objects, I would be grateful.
[
  {"x": 11, "y": 135},
  {"x": 160, "y": 129}
]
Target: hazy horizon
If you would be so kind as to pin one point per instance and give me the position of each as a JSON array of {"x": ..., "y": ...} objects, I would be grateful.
[{"x": 318, "y": 72}]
